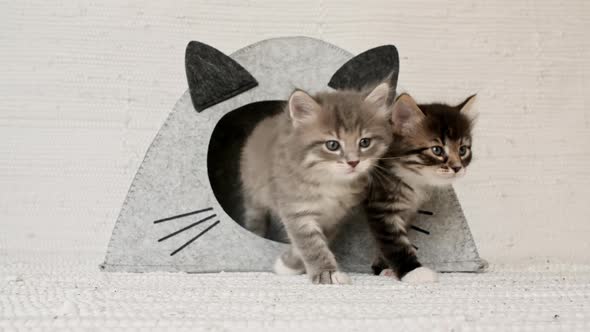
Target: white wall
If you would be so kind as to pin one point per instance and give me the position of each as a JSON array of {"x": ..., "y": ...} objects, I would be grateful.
[{"x": 85, "y": 85}]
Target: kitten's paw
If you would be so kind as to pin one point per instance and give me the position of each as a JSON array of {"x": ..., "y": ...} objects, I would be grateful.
[
  {"x": 340, "y": 278},
  {"x": 388, "y": 273},
  {"x": 331, "y": 277},
  {"x": 421, "y": 275},
  {"x": 281, "y": 268}
]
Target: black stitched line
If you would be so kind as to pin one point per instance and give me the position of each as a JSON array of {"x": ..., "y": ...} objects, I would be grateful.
[
  {"x": 187, "y": 227},
  {"x": 422, "y": 230},
  {"x": 182, "y": 215},
  {"x": 194, "y": 238},
  {"x": 415, "y": 247},
  {"x": 426, "y": 212}
]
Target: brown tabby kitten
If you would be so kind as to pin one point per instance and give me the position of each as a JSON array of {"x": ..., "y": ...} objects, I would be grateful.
[
  {"x": 310, "y": 167},
  {"x": 431, "y": 147}
]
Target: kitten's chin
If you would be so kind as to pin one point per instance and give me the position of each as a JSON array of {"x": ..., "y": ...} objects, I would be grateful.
[
  {"x": 443, "y": 177},
  {"x": 439, "y": 181},
  {"x": 347, "y": 176},
  {"x": 336, "y": 175},
  {"x": 430, "y": 177}
]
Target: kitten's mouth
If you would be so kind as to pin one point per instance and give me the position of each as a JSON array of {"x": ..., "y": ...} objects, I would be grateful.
[
  {"x": 446, "y": 174},
  {"x": 449, "y": 174},
  {"x": 352, "y": 173},
  {"x": 358, "y": 169}
]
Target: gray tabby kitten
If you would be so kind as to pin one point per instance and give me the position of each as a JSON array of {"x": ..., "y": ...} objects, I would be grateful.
[
  {"x": 309, "y": 166},
  {"x": 431, "y": 147}
]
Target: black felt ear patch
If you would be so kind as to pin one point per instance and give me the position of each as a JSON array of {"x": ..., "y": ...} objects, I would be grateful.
[
  {"x": 213, "y": 76},
  {"x": 375, "y": 65}
]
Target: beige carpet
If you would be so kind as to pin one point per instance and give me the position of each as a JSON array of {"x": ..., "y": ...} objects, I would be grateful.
[{"x": 54, "y": 290}]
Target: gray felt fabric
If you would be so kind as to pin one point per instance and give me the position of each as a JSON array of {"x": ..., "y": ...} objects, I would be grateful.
[
  {"x": 374, "y": 65},
  {"x": 213, "y": 76},
  {"x": 173, "y": 180}
]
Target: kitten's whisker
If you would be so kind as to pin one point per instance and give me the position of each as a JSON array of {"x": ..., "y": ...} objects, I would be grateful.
[
  {"x": 187, "y": 227},
  {"x": 380, "y": 176},
  {"x": 388, "y": 158},
  {"x": 379, "y": 173},
  {"x": 379, "y": 167},
  {"x": 382, "y": 172},
  {"x": 194, "y": 238}
]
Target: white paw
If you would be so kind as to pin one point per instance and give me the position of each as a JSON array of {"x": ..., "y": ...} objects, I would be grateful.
[
  {"x": 340, "y": 278},
  {"x": 331, "y": 278},
  {"x": 420, "y": 275},
  {"x": 281, "y": 268},
  {"x": 388, "y": 273}
]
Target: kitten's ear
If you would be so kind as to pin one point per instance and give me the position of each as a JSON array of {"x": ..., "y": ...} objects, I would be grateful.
[
  {"x": 302, "y": 107},
  {"x": 405, "y": 114},
  {"x": 379, "y": 96},
  {"x": 466, "y": 107}
]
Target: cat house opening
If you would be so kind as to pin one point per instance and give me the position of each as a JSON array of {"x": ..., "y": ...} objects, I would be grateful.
[{"x": 223, "y": 158}]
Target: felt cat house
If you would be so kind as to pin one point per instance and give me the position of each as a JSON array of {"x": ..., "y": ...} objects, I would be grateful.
[{"x": 182, "y": 211}]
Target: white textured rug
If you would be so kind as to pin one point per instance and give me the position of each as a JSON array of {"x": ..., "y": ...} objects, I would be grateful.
[{"x": 55, "y": 290}]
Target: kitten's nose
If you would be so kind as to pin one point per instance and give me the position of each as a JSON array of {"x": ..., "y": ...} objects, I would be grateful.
[
  {"x": 456, "y": 168},
  {"x": 353, "y": 163}
]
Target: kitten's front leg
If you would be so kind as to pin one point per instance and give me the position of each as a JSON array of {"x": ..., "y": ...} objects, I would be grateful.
[
  {"x": 379, "y": 264},
  {"x": 289, "y": 263},
  {"x": 396, "y": 250},
  {"x": 312, "y": 245}
]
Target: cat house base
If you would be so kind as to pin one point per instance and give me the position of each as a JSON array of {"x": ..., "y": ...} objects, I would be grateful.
[{"x": 182, "y": 210}]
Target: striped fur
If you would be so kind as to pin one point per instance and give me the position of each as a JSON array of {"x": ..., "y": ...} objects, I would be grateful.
[
  {"x": 390, "y": 206},
  {"x": 288, "y": 170},
  {"x": 426, "y": 151}
]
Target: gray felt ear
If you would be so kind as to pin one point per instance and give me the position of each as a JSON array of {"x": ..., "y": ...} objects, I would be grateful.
[
  {"x": 213, "y": 76},
  {"x": 376, "y": 65}
]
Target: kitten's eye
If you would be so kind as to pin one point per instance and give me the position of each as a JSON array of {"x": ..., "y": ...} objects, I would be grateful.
[
  {"x": 332, "y": 145},
  {"x": 437, "y": 150},
  {"x": 365, "y": 142},
  {"x": 462, "y": 150}
]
